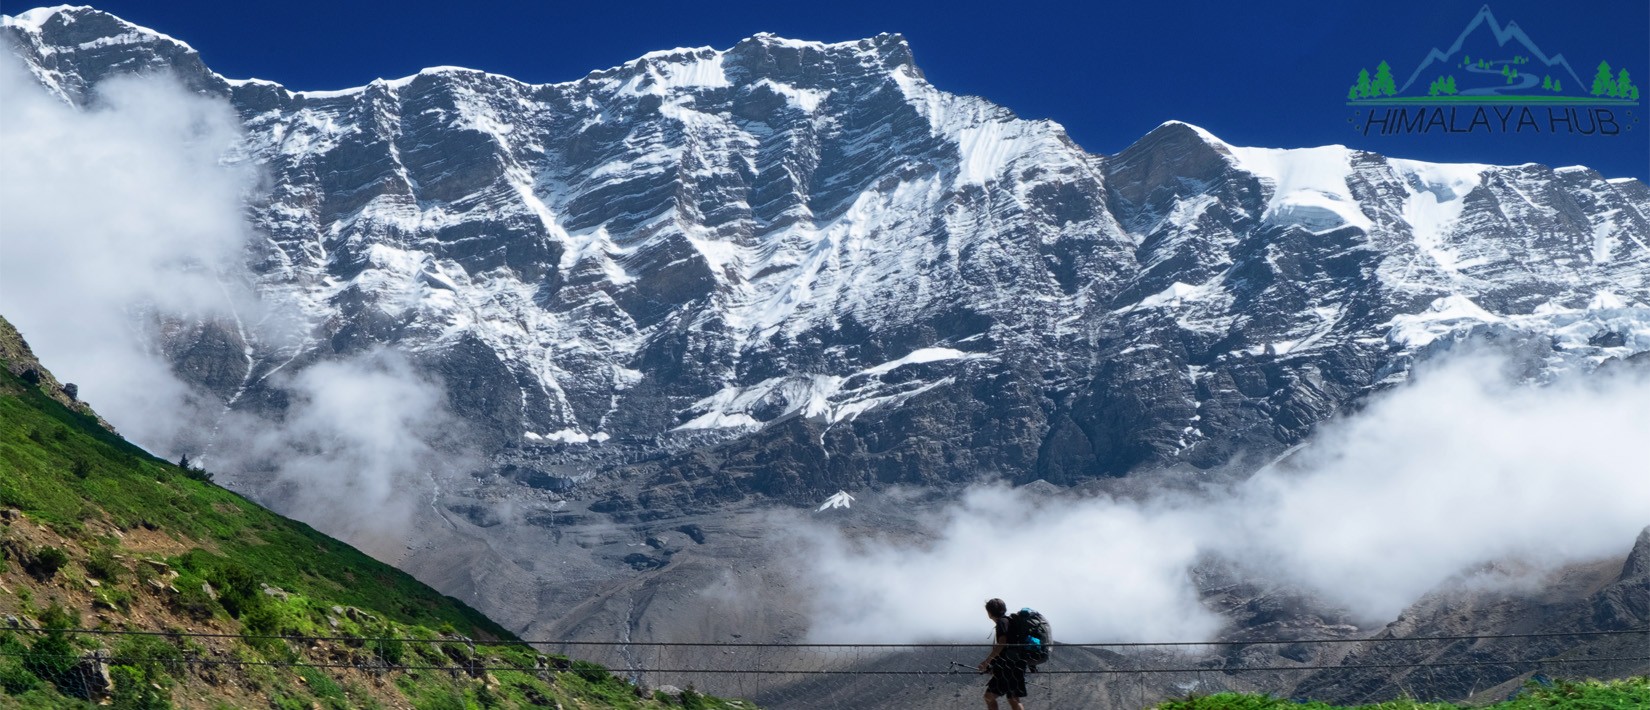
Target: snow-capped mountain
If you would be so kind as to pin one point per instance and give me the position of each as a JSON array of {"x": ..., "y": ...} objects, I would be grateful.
[
  {"x": 792, "y": 267},
  {"x": 670, "y": 291}
]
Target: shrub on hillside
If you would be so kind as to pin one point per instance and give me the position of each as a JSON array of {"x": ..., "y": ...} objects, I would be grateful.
[
  {"x": 192, "y": 598},
  {"x": 134, "y": 691},
  {"x": 44, "y": 563},
  {"x": 389, "y": 648},
  {"x": 103, "y": 565},
  {"x": 143, "y": 673},
  {"x": 51, "y": 658},
  {"x": 238, "y": 590},
  {"x": 14, "y": 678}
]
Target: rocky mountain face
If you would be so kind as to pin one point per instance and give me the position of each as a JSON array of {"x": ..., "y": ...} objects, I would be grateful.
[
  {"x": 791, "y": 267},
  {"x": 708, "y": 277},
  {"x": 1568, "y": 618}
]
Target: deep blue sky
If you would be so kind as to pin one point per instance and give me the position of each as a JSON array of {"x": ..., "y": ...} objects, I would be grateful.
[{"x": 1265, "y": 74}]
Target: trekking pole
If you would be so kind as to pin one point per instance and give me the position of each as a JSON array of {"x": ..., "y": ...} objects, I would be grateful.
[{"x": 965, "y": 666}]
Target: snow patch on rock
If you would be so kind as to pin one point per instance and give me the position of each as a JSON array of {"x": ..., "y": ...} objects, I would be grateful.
[
  {"x": 1309, "y": 186},
  {"x": 1437, "y": 194}
]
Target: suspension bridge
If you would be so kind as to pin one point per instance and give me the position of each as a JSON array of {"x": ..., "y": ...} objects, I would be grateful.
[{"x": 940, "y": 675}]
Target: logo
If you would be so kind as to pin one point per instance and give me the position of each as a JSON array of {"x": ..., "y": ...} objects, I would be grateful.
[{"x": 1493, "y": 79}]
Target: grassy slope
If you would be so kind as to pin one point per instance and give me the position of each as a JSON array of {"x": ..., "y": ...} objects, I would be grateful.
[
  {"x": 1627, "y": 694},
  {"x": 147, "y": 545}
]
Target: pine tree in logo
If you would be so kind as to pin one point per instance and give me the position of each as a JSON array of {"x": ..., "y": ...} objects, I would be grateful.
[
  {"x": 1603, "y": 83},
  {"x": 1625, "y": 88},
  {"x": 1444, "y": 85},
  {"x": 1384, "y": 85}
]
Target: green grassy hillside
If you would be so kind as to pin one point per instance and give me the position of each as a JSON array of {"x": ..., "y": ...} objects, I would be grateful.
[
  {"x": 1627, "y": 694},
  {"x": 97, "y": 534}
]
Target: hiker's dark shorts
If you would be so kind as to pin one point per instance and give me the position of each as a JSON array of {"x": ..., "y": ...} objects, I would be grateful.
[{"x": 1008, "y": 680}]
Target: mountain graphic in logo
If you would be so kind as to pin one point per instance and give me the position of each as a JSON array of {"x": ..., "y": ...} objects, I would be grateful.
[{"x": 1493, "y": 63}]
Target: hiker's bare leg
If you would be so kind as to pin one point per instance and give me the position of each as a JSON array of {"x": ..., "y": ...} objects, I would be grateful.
[
  {"x": 991, "y": 701},
  {"x": 1014, "y": 703}
]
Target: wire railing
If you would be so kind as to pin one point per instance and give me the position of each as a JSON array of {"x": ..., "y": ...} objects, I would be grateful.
[
  {"x": 924, "y": 675},
  {"x": 782, "y": 644}
]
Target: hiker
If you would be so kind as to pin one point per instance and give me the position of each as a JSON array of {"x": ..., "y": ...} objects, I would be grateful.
[{"x": 1008, "y": 672}]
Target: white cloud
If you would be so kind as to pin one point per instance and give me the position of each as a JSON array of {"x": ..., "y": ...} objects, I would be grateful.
[
  {"x": 125, "y": 218},
  {"x": 1452, "y": 472},
  {"x": 1101, "y": 568},
  {"x": 108, "y": 216},
  {"x": 1430, "y": 482},
  {"x": 357, "y": 445}
]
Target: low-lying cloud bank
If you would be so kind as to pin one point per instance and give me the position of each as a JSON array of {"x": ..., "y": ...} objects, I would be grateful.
[
  {"x": 1429, "y": 484},
  {"x": 360, "y": 437},
  {"x": 124, "y": 218}
]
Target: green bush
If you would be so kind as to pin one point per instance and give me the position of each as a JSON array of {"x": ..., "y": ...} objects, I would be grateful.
[
  {"x": 1585, "y": 695},
  {"x": 45, "y": 562},
  {"x": 51, "y": 658},
  {"x": 389, "y": 648},
  {"x": 103, "y": 565},
  {"x": 598, "y": 675},
  {"x": 14, "y": 678},
  {"x": 142, "y": 672},
  {"x": 192, "y": 598},
  {"x": 262, "y": 620},
  {"x": 115, "y": 598},
  {"x": 156, "y": 656},
  {"x": 135, "y": 690},
  {"x": 57, "y": 616},
  {"x": 238, "y": 589}
]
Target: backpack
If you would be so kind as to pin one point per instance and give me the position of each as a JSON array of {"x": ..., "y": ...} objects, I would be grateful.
[{"x": 1029, "y": 637}]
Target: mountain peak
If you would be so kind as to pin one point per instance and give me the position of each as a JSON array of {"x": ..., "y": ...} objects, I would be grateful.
[
  {"x": 769, "y": 55},
  {"x": 1185, "y": 130},
  {"x": 1154, "y": 168},
  {"x": 890, "y": 47},
  {"x": 1178, "y": 137},
  {"x": 39, "y": 16},
  {"x": 884, "y": 43},
  {"x": 97, "y": 45},
  {"x": 800, "y": 63},
  {"x": 84, "y": 23}
]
